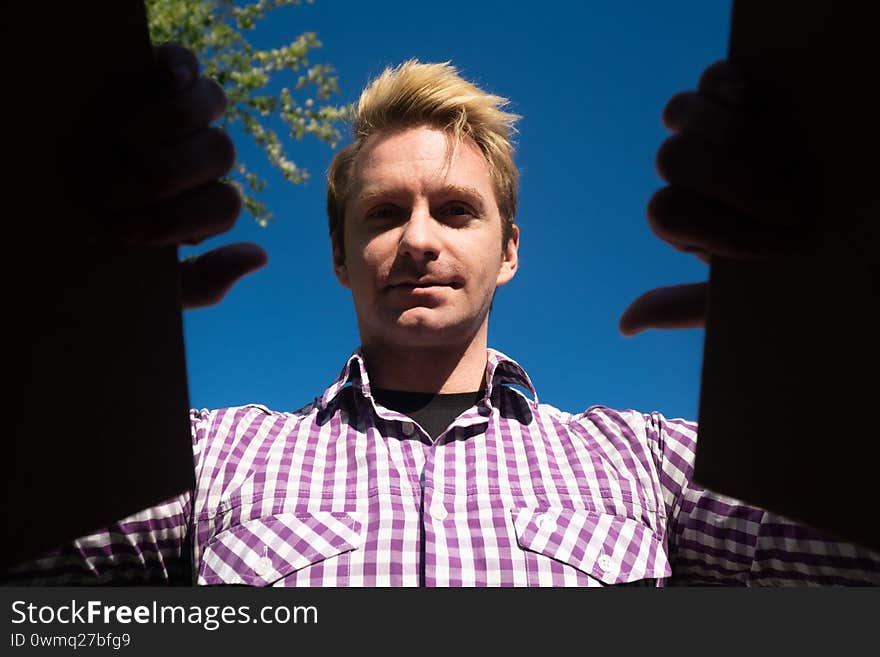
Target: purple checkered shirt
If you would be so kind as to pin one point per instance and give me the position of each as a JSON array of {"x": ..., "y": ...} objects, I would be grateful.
[{"x": 344, "y": 492}]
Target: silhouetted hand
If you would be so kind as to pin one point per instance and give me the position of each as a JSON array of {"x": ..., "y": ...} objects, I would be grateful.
[
  {"x": 729, "y": 193},
  {"x": 165, "y": 185}
]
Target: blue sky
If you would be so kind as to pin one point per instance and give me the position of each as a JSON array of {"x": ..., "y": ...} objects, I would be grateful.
[{"x": 590, "y": 80}]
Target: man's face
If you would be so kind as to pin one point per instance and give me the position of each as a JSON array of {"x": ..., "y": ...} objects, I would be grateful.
[{"x": 422, "y": 237}]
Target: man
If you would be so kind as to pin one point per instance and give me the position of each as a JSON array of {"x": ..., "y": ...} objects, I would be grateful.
[{"x": 420, "y": 465}]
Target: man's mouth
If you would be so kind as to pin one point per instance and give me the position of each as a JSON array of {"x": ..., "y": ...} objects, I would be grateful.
[{"x": 425, "y": 285}]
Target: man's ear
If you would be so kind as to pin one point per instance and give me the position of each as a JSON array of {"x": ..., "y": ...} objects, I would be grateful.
[
  {"x": 510, "y": 257},
  {"x": 339, "y": 267}
]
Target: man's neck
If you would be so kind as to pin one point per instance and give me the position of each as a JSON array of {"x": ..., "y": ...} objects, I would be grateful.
[{"x": 446, "y": 369}]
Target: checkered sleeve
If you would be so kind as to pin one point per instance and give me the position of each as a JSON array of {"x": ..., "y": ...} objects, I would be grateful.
[
  {"x": 150, "y": 547},
  {"x": 147, "y": 548},
  {"x": 715, "y": 539}
]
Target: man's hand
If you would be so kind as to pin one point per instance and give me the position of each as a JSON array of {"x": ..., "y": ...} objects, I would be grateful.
[
  {"x": 728, "y": 193},
  {"x": 164, "y": 181}
]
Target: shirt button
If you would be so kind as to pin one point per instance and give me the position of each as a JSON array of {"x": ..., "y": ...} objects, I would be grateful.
[
  {"x": 605, "y": 563},
  {"x": 408, "y": 428},
  {"x": 439, "y": 513},
  {"x": 543, "y": 521},
  {"x": 263, "y": 566}
]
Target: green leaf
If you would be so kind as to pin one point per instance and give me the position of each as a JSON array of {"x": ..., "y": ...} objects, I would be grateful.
[{"x": 214, "y": 31}]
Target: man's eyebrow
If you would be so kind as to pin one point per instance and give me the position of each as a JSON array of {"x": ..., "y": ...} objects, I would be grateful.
[
  {"x": 464, "y": 190},
  {"x": 376, "y": 192}
]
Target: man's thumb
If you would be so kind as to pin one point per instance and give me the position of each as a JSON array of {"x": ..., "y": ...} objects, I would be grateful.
[
  {"x": 678, "y": 306},
  {"x": 205, "y": 279}
]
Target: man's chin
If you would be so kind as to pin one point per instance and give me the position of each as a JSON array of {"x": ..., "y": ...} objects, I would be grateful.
[
  {"x": 417, "y": 325},
  {"x": 426, "y": 327}
]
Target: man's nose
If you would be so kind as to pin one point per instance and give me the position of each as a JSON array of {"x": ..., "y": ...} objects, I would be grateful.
[{"x": 421, "y": 237}]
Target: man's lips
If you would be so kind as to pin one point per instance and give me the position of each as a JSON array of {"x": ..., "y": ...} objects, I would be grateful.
[{"x": 424, "y": 285}]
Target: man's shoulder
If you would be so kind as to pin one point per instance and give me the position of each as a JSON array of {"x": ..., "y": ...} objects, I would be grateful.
[
  {"x": 629, "y": 423},
  {"x": 597, "y": 413},
  {"x": 228, "y": 418}
]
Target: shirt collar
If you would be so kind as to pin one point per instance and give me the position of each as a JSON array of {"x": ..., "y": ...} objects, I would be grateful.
[
  {"x": 355, "y": 373},
  {"x": 500, "y": 369}
]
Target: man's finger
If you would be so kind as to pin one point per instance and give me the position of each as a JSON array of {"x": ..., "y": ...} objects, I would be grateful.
[
  {"x": 170, "y": 170},
  {"x": 186, "y": 219},
  {"x": 205, "y": 279},
  {"x": 675, "y": 307},
  {"x": 693, "y": 113},
  {"x": 696, "y": 224},
  {"x": 190, "y": 111},
  {"x": 723, "y": 82},
  {"x": 686, "y": 160},
  {"x": 177, "y": 66}
]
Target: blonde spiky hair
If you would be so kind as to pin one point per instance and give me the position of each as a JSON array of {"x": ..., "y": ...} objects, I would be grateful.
[{"x": 415, "y": 94}]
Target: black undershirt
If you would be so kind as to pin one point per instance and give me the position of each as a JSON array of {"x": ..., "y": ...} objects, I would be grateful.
[{"x": 432, "y": 411}]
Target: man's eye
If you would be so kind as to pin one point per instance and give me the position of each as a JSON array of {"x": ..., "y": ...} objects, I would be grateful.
[
  {"x": 457, "y": 210},
  {"x": 383, "y": 212}
]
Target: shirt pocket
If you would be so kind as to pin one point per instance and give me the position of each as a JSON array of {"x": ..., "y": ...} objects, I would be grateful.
[
  {"x": 609, "y": 549},
  {"x": 262, "y": 551}
]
